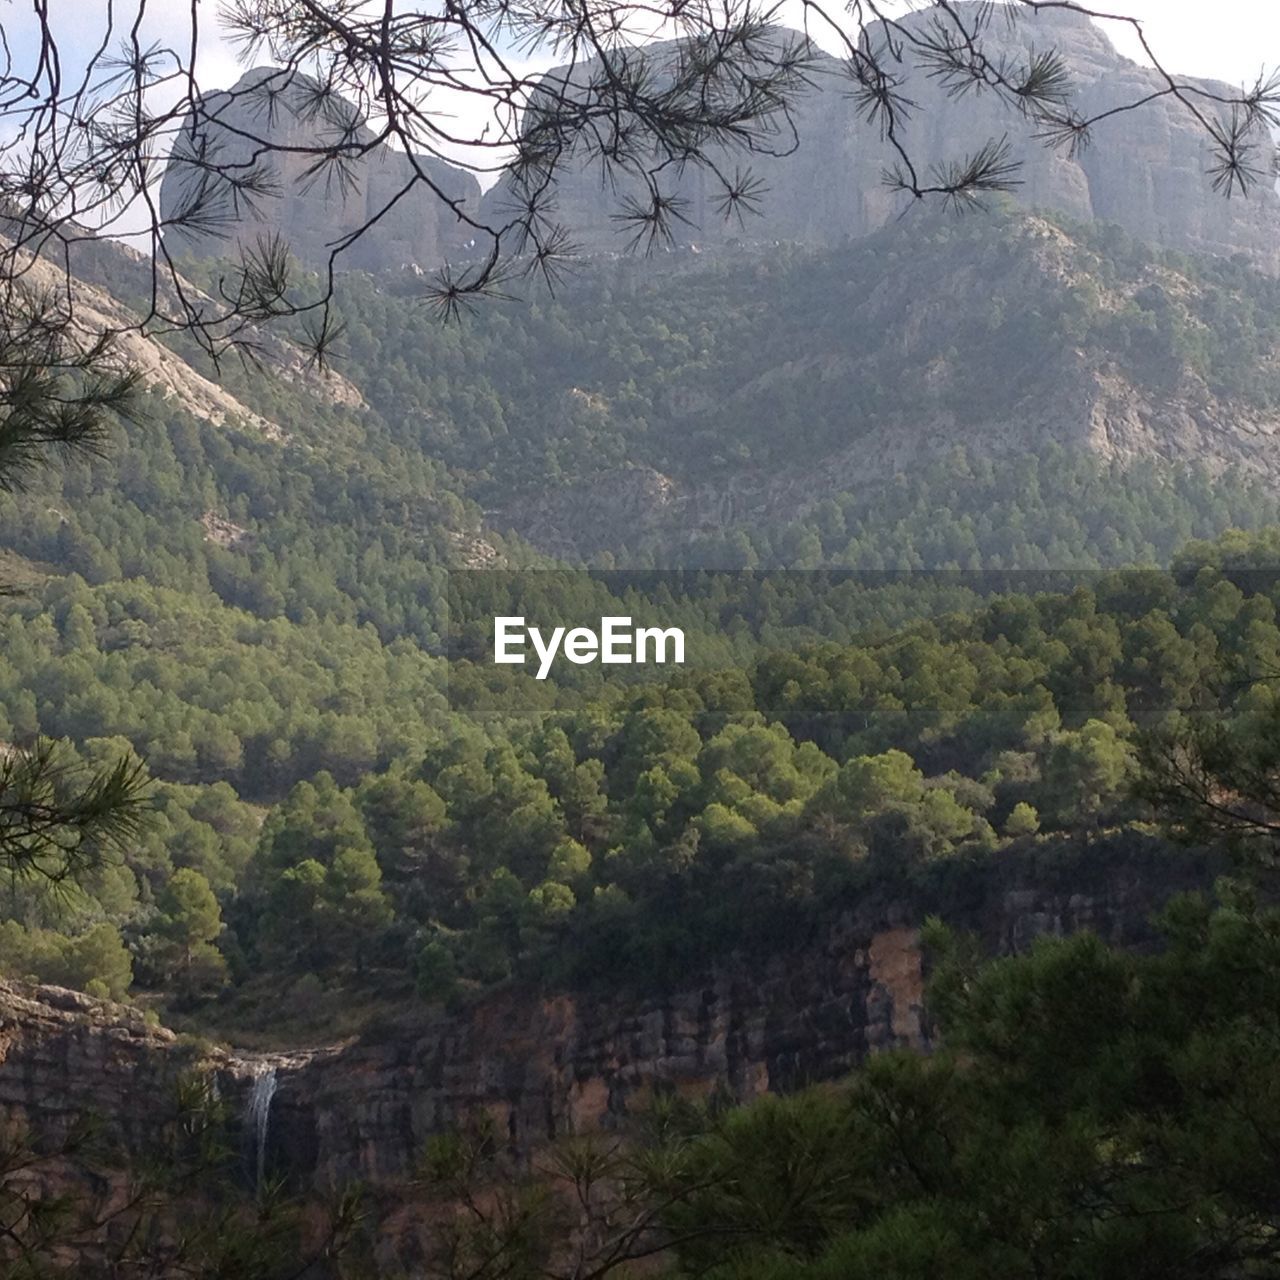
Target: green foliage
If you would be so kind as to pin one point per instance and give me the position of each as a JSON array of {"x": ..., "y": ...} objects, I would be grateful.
[
  {"x": 188, "y": 926},
  {"x": 256, "y": 610},
  {"x": 96, "y": 958},
  {"x": 641, "y": 829},
  {"x": 436, "y": 972},
  {"x": 209, "y": 693},
  {"x": 59, "y": 821},
  {"x": 1023, "y": 820},
  {"x": 1092, "y": 1113},
  {"x": 319, "y": 882},
  {"x": 1086, "y": 770}
]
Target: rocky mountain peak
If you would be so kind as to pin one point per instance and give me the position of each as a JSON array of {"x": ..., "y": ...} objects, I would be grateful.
[
  {"x": 1147, "y": 170},
  {"x": 311, "y": 211}
]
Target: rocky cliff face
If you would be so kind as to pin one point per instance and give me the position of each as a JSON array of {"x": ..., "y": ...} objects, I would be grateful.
[
  {"x": 541, "y": 1065},
  {"x": 310, "y": 211},
  {"x": 1146, "y": 170},
  {"x": 64, "y": 1055}
]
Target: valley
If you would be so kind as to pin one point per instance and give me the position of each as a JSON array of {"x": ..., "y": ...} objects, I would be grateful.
[{"x": 921, "y": 923}]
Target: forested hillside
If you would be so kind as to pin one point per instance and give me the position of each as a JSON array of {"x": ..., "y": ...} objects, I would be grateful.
[
  {"x": 257, "y": 607},
  {"x": 780, "y": 407},
  {"x": 319, "y": 800},
  {"x": 783, "y": 357}
]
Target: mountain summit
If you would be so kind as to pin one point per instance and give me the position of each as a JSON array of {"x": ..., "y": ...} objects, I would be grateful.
[
  {"x": 1147, "y": 169},
  {"x": 275, "y": 121}
]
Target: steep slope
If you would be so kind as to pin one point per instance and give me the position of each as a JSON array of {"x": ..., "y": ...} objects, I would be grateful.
[
  {"x": 110, "y": 287},
  {"x": 658, "y": 406},
  {"x": 635, "y": 408},
  {"x": 1145, "y": 171}
]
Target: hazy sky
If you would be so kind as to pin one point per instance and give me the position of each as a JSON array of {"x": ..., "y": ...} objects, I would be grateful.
[{"x": 1228, "y": 39}]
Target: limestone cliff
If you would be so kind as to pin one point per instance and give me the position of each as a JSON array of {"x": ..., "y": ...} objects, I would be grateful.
[
  {"x": 64, "y": 1055},
  {"x": 1147, "y": 171},
  {"x": 264, "y": 109},
  {"x": 543, "y": 1065}
]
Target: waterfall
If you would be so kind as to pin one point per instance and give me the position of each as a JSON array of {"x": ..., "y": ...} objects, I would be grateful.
[{"x": 259, "y": 1115}]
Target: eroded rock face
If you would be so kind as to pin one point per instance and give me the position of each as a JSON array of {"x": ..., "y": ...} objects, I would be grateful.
[
  {"x": 310, "y": 212},
  {"x": 1147, "y": 170},
  {"x": 541, "y": 1066},
  {"x": 544, "y": 1066},
  {"x": 64, "y": 1055}
]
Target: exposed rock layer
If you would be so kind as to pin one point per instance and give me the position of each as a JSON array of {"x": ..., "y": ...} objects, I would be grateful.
[{"x": 545, "y": 1065}]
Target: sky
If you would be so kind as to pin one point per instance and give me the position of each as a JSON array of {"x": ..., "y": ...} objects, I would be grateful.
[
  {"x": 1227, "y": 39},
  {"x": 1230, "y": 40}
]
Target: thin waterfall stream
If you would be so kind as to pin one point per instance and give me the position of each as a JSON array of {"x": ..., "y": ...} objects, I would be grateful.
[{"x": 259, "y": 1116}]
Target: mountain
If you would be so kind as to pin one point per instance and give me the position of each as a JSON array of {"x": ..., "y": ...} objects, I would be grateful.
[
  {"x": 1145, "y": 171},
  {"x": 1003, "y": 389},
  {"x": 630, "y": 411},
  {"x": 311, "y": 211}
]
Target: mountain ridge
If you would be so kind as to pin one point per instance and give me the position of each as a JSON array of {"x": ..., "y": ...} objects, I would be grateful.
[
  {"x": 1147, "y": 171},
  {"x": 268, "y": 120}
]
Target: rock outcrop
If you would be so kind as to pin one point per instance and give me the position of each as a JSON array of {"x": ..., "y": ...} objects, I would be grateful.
[
  {"x": 64, "y": 1056},
  {"x": 269, "y": 121},
  {"x": 541, "y": 1066},
  {"x": 1146, "y": 170}
]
